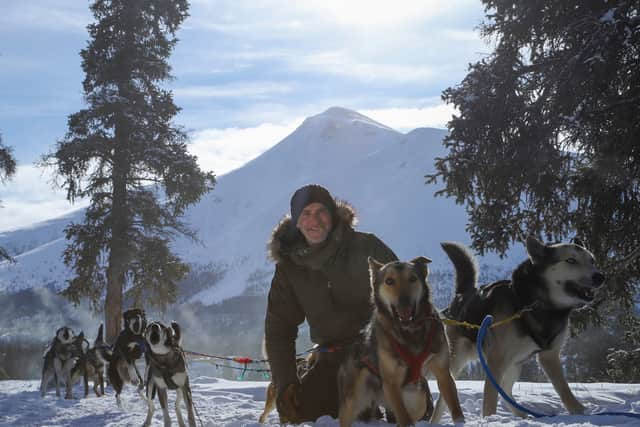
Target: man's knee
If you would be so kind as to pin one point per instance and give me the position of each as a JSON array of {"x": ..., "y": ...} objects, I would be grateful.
[{"x": 316, "y": 394}]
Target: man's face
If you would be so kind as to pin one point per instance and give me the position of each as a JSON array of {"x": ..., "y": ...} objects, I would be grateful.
[{"x": 315, "y": 223}]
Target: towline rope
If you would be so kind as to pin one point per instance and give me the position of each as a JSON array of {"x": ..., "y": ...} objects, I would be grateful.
[{"x": 517, "y": 315}]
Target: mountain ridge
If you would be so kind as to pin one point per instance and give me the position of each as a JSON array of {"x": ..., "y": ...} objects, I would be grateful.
[{"x": 375, "y": 168}]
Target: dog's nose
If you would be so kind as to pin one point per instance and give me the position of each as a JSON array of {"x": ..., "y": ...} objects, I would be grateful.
[
  {"x": 597, "y": 279},
  {"x": 404, "y": 300}
]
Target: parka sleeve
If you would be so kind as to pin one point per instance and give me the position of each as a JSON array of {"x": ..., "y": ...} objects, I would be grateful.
[{"x": 283, "y": 317}]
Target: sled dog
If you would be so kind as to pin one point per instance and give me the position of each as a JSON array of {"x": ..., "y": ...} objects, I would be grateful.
[
  {"x": 91, "y": 364},
  {"x": 405, "y": 336},
  {"x": 128, "y": 348},
  {"x": 166, "y": 369},
  {"x": 545, "y": 288},
  {"x": 60, "y": 357}
]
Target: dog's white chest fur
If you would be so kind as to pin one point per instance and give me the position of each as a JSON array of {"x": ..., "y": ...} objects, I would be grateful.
[{"x": 179, "y": 379}]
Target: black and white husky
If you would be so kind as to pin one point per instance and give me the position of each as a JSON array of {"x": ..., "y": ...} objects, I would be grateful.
[
  {"x": 60, "y": 358},
  {"x": 128, "y": 348},
  {"x": 551, "y": 283},
  {"x": 166, "y": 369}
]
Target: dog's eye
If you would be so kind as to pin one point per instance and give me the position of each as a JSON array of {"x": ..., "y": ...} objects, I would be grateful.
[
  {"x": 412, "y": 279},
  {"x": 389, "y": 281},
  {"x": 571, "y": 261}
]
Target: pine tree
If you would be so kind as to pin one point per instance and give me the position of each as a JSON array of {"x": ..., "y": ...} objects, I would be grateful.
[
  {"x": 547, "y": 138},
  {"x": 124, "y": 153},
  {"x": 7, "y": 170}
]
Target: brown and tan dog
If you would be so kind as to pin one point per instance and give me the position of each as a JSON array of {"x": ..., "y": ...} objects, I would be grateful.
[
  {"x": 405, "y": 336},
  {"x": 303, "y": 364}
]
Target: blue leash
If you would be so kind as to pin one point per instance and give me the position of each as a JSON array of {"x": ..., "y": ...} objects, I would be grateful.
[{"x": 486, "y": 323}]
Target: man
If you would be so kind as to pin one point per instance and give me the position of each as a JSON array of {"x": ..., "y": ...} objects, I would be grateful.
[{"x": 321, "y": 276}]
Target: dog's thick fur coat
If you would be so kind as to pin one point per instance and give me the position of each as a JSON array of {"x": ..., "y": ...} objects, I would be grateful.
[
  {"x": 128, "y": 348},
  {"x": 91, "y": 364},
  {"x": 166, "y": 369},
  {"x": 549, "y": 285},
  {"x": 405, "y": 335},
  {"x": 60, "y": 358}
]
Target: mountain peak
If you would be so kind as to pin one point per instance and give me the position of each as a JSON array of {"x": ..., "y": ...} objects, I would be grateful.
[
  {"x": 341, "y": 112},
  {"x": 341, "y": 115}
]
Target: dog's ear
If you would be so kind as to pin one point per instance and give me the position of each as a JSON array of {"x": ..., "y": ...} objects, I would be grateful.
[
  {"x": 578, "y": 241},
  {"x": 535, "y": 248},
  {"x": 420, "y": 264},
  {"x": 374, "y": 268},
  {"x": 177, "y": 334}
]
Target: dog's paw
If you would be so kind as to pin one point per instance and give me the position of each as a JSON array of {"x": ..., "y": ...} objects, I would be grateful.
[
  {"x": 576, "y": 409},
  {"x": 459, "y": 421}
]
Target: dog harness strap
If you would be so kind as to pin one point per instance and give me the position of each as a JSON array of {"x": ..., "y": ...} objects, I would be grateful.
[
  {"x": 369, "y": 364},
  {"x": 168, "y": 369},
  {"x": 414, "y": 363}
]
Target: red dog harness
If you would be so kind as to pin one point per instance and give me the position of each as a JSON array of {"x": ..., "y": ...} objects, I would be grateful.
[{"x": 414, "y": 363}]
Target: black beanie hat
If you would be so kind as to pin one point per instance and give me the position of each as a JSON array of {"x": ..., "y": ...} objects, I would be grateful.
[{"x": 308, "y": 194}]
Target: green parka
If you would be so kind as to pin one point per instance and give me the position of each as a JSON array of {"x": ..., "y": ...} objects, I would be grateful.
[{"x": 328, "y": 286}]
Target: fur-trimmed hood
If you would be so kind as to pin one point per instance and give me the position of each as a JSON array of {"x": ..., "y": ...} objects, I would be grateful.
[{"x": 285, "y": 238}]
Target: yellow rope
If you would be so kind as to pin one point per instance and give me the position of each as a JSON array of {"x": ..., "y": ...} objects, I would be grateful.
[{"x": 453, "y": 322}]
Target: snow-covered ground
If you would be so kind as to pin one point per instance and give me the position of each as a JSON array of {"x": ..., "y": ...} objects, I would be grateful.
[{"x": 239, "y": 403}]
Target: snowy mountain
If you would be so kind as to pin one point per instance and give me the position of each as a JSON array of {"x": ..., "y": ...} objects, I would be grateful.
[{"x": 378, "y": 170}]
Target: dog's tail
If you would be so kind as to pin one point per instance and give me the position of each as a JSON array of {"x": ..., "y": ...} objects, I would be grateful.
[
  {"x": 264, "y": 348},
  {"x": 102, "y": 349},
  {"x": 100, "y": 338},
  {"x": 465, "y": 264}
]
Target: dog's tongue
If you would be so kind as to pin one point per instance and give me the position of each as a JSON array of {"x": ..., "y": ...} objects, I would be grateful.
[{"x": 405, "y": 314}]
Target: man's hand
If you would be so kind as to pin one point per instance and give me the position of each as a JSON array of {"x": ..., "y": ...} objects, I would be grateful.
[{"x": 288, "y": 404}]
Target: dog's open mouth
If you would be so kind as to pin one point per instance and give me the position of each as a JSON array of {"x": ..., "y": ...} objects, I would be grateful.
[
  {"x": 585, "y": 293},
  {"x": 154, "y": 336},
  {"x": 404, "y": 314}
]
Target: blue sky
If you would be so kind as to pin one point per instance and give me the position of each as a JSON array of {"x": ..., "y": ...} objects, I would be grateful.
[{"x": 246, "y": 74}]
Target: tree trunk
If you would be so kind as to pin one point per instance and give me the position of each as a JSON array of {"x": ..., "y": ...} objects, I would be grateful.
[
  {"x": 117, "y": 268},
  {"x": 119, "y": 252},
  {"x": 113, "y": 302}
]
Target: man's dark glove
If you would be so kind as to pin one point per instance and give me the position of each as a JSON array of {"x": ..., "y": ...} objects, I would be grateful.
[{"x": 288, "y": 403}]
